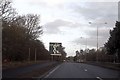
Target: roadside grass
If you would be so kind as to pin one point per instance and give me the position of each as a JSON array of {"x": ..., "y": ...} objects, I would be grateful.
[
  {"x": 115, "y": 66},
  {"x": 10, "y": 65},
  {"x": 39, "y": 72}
]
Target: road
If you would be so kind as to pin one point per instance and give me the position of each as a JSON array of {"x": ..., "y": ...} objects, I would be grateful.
[
  {"x": 81, "y": 70},
  {"x": 14, "y": 73}
]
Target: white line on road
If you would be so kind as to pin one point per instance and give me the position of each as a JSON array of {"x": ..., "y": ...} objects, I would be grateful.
[
  {"x": 99, "y": 78},
  {"x": 85, "y": 69},
  {"x": 52, "y": 71}
]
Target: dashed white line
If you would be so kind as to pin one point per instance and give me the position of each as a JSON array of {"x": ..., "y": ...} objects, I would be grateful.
[
  {"x": 52, "y": 71},
  {"x": 99, "y": 78},
  {"x": 85, "y": 69}
]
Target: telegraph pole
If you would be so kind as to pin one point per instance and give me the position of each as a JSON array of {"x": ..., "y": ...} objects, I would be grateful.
[
  {"x": 86, "y": 51},
  {"x": 29, "y": 55},
  {"x": 85, "y": 47},
  {"x": 97, "y": 46},
  {"x": 35, "y": 54}
]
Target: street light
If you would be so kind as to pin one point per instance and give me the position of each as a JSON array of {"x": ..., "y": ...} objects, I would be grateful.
[
  {"x": 97, "y": 40},
  {"x": 85, "y": 46},
  {"x": 86, "y": 42}
]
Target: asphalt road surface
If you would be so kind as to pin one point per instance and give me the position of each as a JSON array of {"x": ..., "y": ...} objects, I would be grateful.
[{"x": 81, "y": 70}]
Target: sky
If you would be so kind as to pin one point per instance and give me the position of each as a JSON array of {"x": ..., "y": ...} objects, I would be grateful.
[{"x": 67, "y": 21}]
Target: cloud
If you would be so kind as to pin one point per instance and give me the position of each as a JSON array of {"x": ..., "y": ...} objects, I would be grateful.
[
  {"x": 103, "y": 35},
  {"x": 96, "y": 10},
  {"x": 97, "y": 14},
  {"x": 48, "y": 2},
  {"x": 90, "y": 42},
  {"x": 55, "y": 26}
]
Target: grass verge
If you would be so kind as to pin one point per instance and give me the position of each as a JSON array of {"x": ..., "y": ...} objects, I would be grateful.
[
  {"x": 39, "y": 72},
  {"x": 114, "y": 66},
  {"x": 11, "y": 65}
]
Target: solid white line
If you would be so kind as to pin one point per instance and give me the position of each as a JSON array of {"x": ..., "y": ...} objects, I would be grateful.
[
  {"x": 99, "y": 78},
  {"x": 52, "y": 71}
]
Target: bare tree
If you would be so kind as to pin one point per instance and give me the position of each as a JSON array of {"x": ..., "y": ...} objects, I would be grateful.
[
  {"x": 32, "y": 25},
  {"x": 6, "y": 10}
]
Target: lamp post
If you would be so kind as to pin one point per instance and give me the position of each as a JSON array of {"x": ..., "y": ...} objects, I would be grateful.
[
  {"x": 97, "y": 41},
  {"x": 86, "y": 42},
  {"x": 85, "y": 47},
  {"x": 97, "y": 45}
]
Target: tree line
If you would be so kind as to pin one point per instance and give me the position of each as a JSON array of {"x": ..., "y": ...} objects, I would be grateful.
[
  {"x": 20, "y": 35},
  {"x": 113, "y": 44},
  {"x": 109, "y": 53},
  {"x": 93, "y": 55}
]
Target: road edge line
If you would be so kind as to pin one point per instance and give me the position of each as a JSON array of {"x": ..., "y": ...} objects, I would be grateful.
[
  {"x": 52, "y": 71},
  {"x": 99, "y": 78}
]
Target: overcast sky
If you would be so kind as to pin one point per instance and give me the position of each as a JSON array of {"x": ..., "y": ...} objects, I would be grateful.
[{"x": 67, "y": 21}]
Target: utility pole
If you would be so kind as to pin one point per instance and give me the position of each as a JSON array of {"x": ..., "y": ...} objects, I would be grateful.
[
  {"x": 85, "y": 47},
  {"x": 29, "y": 55},
  {"x": 35, "y": 54},
  {"x": 86, "y": 50},
  {"x": 86, "y": 43},
  {"x": 97, "y": 46}
]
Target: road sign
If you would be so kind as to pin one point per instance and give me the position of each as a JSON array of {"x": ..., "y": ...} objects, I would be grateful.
[{"x": 55, "y": 48}]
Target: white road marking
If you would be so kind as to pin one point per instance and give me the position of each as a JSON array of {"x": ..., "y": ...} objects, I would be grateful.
[
  {"x": 85, "y": 69},
  {"x": 99, "y": 78},
  {"x": 52, "y": 71}
]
